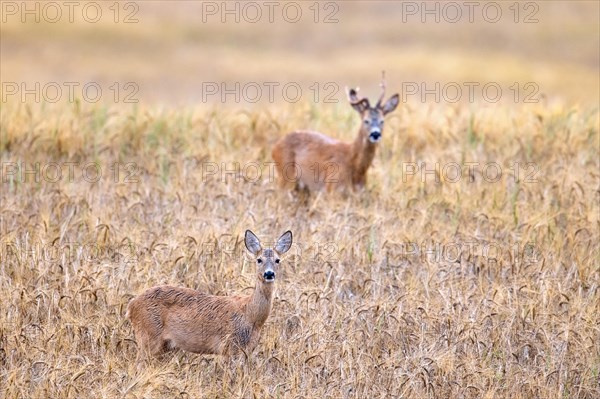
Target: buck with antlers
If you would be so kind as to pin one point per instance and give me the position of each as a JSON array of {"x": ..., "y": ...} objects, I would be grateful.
[
  {"x": 166, "y": 318},
  {"x": 313, "y": 161}
]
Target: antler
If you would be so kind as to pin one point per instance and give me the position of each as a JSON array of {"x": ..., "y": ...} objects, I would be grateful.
[{"x": 382, "y": 85}]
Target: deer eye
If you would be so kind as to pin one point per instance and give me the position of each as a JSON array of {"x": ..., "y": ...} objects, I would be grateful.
[
  {"x": 277, "y": 261},
  {"x": 259, "y": 261},
  {"x": 381, "y": 122},
  {"x": 367, "y": 121}
]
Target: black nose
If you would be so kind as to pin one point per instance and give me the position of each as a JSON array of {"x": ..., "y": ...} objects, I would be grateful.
[
  {"x": 269, "y": 275},
  {"x": 375, "y": 135}
]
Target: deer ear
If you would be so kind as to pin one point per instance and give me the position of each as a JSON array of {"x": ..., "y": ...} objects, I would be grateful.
[
  {"x": 361, "y": 106},
  {"x": 252, "y": 243},
  {"x": 284, "y": 243},
  {"x": 352, "y": 95},
  {"x": 391, "y": 104}
]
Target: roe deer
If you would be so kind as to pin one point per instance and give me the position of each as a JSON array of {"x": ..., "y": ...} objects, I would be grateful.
[
  {"x": 166, "y": 317},
  {"x": 313, "y": 161}
]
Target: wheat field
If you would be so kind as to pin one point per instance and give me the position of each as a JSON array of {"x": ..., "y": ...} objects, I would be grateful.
[
  {"x": 470, "y": 288},
  {"x": 469, "y": 267}
]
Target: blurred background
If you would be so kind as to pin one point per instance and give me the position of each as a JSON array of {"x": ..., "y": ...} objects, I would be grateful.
[{"x": 183, "y": 52}]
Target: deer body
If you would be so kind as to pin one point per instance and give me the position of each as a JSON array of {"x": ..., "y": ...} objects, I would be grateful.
[
  {"x": 166, "y": 317},
  {"x": 313, "y": 161}
]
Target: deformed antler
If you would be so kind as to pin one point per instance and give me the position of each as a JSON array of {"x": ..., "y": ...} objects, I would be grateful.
[{"x": 382, "y": 85}]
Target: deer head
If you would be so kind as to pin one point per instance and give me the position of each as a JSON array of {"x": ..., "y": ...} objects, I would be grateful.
[
  {"x": 267, "y": 260},
  {"x": 373, "y": 117}
]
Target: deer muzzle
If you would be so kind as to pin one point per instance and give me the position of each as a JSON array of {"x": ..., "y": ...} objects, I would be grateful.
[
  {"x": 269, "y": 276},
  {"x": 374, "y": 136}
]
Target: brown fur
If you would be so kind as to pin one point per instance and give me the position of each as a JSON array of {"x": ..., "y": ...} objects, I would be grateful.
[
  {"x": 166, "y": 317},
  {"x": 313, "y": 161}
]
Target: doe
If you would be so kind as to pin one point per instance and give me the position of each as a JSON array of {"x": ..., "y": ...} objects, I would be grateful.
[
  {"x": 166, "y": 317},
  {"x": 312, "y": 161}
]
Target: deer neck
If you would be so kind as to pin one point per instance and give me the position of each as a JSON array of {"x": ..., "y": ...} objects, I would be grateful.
[
  {"x": 259, "y": 304},
  {"x": 363, "y": 152}
]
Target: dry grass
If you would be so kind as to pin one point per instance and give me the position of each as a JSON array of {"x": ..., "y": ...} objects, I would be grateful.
[
  {"x": 170, "y": 52},
  {"x": 355, "y": 315},
  {"x": 414, "y": 288}
]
